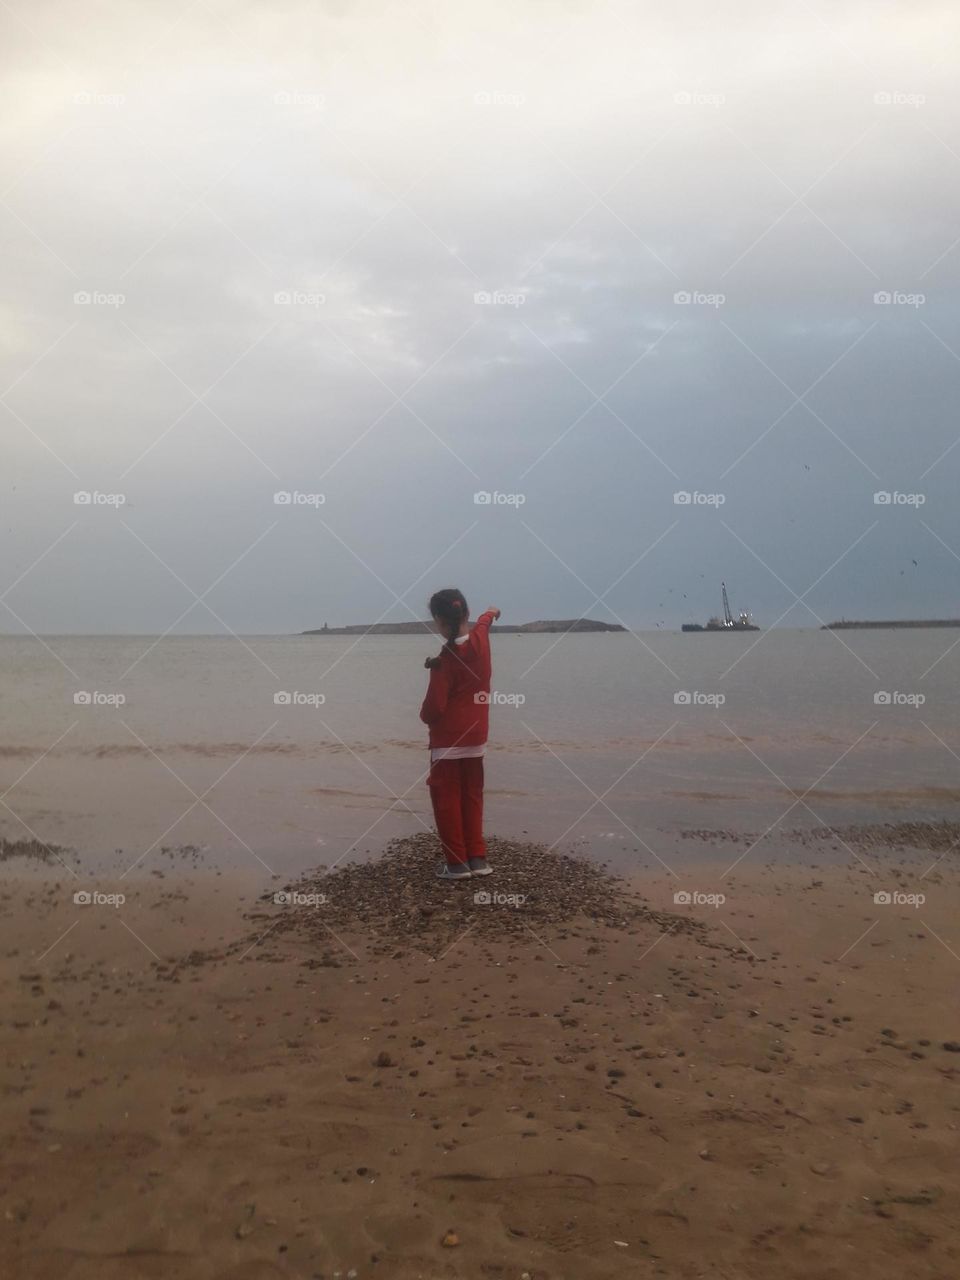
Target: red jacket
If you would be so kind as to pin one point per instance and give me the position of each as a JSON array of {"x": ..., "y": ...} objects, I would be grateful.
[{"x": 457, "y": 705}]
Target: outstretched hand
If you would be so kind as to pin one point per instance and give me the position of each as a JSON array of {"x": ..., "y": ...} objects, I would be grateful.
[{"x": 492, "y": 609}]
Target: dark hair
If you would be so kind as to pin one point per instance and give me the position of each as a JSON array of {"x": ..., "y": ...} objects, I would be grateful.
[{"x": 449, "y": 607}]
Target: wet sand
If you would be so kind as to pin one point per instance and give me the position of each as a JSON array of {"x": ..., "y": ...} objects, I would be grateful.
[{"x": 197, "y": 1083}]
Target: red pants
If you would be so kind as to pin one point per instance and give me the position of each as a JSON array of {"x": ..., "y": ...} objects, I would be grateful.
[{"x": 456, "y": 789}]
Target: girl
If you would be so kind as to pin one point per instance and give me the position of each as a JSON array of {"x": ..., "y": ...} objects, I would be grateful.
[{"x": 457, "y": 710}]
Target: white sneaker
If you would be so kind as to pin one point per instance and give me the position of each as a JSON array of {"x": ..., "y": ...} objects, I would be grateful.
[
  {"x": 479, "y": 867},
  {"x": 447, "y": 873}
]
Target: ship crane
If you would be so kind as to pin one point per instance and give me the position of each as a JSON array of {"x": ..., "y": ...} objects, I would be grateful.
[
  {"x": 727, "y": 615},
  {"x": 727, "y": 623}
]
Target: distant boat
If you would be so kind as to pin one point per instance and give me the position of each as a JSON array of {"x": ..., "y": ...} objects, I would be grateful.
[{"x": 727, "y": 623}]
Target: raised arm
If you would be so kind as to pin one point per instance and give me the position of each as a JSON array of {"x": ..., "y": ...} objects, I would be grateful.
[{"x": 488, "y": 616}]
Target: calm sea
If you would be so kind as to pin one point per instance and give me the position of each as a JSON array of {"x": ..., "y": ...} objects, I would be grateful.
[{"x": 279, "y": 752}]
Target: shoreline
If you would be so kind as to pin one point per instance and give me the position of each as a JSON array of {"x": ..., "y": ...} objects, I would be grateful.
[{"x": 625, "y": 853}]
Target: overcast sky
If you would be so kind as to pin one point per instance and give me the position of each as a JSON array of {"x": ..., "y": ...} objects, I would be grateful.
[{"x": 282, "y": 215}]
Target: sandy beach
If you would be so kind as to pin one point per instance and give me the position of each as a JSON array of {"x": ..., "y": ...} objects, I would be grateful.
[{"x": 201, "y": 1083}]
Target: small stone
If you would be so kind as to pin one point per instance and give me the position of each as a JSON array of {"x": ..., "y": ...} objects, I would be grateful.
[{"x": 450, "y": 1240}]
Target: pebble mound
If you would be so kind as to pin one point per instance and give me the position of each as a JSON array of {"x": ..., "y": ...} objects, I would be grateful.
[{"x": 398, "y": 898}]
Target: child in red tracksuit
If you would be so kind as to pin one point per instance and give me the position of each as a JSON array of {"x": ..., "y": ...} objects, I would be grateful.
[{"x": 457, "y": 711}]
